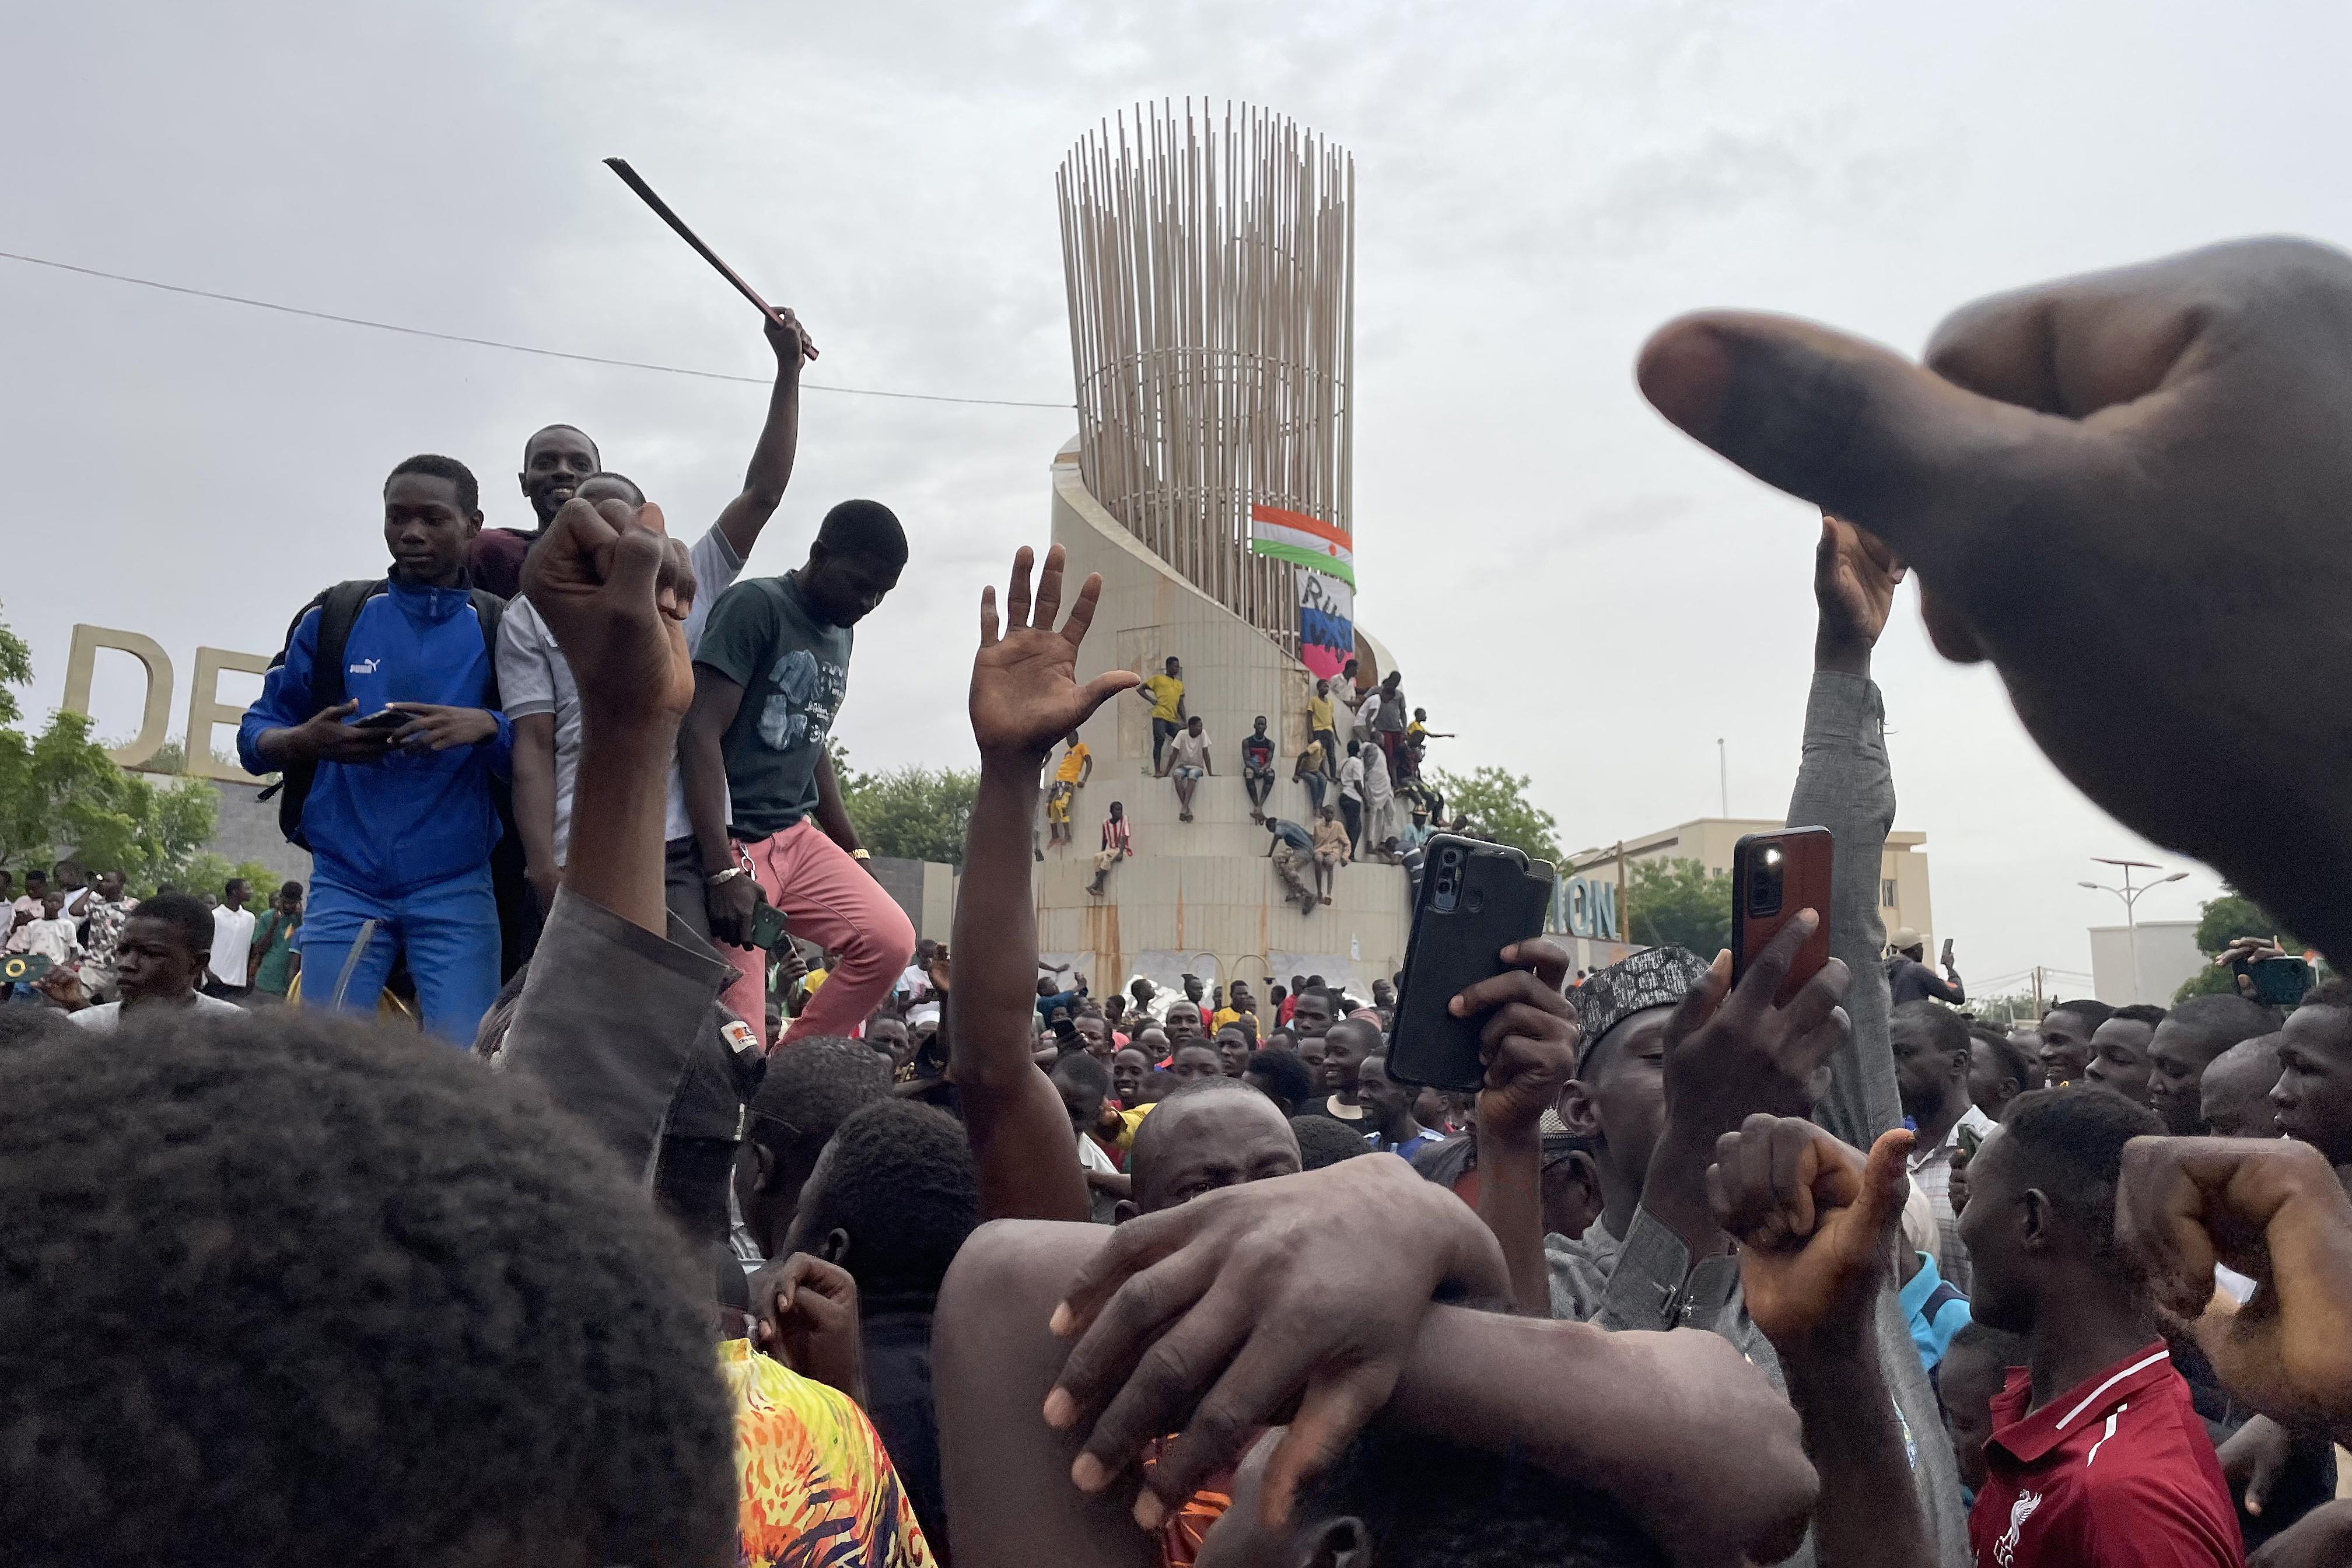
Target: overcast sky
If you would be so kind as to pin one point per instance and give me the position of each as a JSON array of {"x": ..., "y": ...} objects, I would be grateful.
[{"x": 1585, "y": 594}]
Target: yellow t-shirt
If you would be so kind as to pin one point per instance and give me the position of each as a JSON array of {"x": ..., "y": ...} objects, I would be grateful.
[
  {"x": 1415, "y": 728},
  {"x": 1165, "y": 691},
  {"x": 812, "y": 1481},
  {"x": 1224, "y": 1015},
  {"x": 1074, "y": 761},
  {"x": 1318, "y": 712}
]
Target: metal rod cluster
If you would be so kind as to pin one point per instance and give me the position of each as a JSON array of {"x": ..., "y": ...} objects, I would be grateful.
[{"x": 1211, "y": 269}]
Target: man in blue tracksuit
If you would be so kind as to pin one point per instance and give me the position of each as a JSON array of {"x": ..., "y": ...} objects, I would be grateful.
[{"x": 399, "y": 816}]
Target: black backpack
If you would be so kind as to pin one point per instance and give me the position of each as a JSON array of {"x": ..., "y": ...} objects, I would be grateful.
[{"x": 338, "y": 610}]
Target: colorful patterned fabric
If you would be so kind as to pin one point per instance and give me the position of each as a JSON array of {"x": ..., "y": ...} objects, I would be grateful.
[{"x": 816, "y": 1489}]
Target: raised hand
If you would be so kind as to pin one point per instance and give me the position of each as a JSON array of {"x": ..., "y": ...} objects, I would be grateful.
[
  {"x": 789, "y": 338},
  {"x": 2271, "y": 1209},
  {"x": 1854, "y": 579},
  {"x": 2154, "y": 465},
  {"x": 1815, "y": 1225},
  {"x": 1025, "y": 690},
  {"x": 1528, "y": 1044},
  {"x": 1728, "y": 1056},
  {"x": 1212, "y": 1317},
  {"x": 616, "y": 589}
]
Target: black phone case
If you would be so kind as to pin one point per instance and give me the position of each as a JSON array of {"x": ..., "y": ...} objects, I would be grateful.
[{"x": 1503, "y": 898}]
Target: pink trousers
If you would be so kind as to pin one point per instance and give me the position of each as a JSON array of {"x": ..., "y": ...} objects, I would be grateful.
[{"x": 829, "y": 898}]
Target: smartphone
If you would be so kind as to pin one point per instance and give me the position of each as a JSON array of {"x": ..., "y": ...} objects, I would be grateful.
[
  {"x": 2278, "y": 982},
  {"x": 1475, "y": 899},
  {"x": 1947, "y": 952},
  {"x": 388, "y": 719},
  {"x": 1774, "y": 875},
  {"x": 768, "y": 927}
]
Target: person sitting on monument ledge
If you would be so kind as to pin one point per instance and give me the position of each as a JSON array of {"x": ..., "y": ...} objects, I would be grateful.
[
  {"x": 1257, "y": 768},
  {"x": 1188, "y": 761},
  {"x": 1117, "y": 844}
]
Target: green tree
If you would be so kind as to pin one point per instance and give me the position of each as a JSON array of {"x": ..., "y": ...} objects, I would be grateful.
[
  {"x": 1678, "y": 903},
  {"x": 206, "y": 872},
  {"x": 2232, "y": 915},
  {"x": 913, "y": 813},
  {"x": 1496, "y": 803},
  {"x": 16, "y": 669},
  {"x": 60, "y": 792},
  {"x": 907, "y": 814}
]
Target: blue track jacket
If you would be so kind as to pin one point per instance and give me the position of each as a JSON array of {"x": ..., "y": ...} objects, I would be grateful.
[{"x": 413, "y": 818}]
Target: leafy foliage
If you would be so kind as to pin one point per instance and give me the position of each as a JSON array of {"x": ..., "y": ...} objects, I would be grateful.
[
  {"x": 1678, "y": 902},
  {"x": 16, "y": 669},
  {"x": 909, "y": 813},
  {"x": 1496, "y": 803},
  {"x": 60, "y": 792},
  {"x": 2232, "y": 915},
  {"x": 209, "y": 873}
]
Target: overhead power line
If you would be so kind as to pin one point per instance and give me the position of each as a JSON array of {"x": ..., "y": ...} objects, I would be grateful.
[{"x": 495, "y": 343}]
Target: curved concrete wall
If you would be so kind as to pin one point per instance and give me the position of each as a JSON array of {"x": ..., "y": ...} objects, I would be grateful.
[{"x": 1199, "y": 893}]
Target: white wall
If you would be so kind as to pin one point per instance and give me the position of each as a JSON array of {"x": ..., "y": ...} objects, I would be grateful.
[{"x": 2167, "y": 955}]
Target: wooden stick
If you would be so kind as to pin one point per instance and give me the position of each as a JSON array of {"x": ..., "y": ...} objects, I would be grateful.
[{"x": 632, "y": 179}]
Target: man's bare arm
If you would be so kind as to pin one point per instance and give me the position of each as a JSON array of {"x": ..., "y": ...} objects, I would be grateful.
[
  {"x": 534, "y": 765},
  {"x": 771, "y": 460},
  {"x": 702, "y": 759}
]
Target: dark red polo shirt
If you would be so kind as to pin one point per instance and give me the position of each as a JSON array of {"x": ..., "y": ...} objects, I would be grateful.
[{"x": 2116, "y": 1472}]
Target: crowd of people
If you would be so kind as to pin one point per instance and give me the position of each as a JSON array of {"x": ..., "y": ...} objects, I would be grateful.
[
  {"x": 954, "y": 1260},
  {"x": 1384, "y": 807}
]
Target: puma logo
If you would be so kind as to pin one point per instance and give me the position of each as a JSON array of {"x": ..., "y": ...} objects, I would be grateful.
[{"x": 365, "y": 666}]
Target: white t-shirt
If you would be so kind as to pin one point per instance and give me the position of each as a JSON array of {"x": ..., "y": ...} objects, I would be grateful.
[
  {"x": 1189, "y": 751},
  {"x": 534, "y": 679},
  {"x": 1092, "y": 1158},
  {"x": 1352, "y": 779},
  {"x": 1368, "y": 708},
  {"x": 232, "y": 944},
  {"x": 108, "y": 1018}
]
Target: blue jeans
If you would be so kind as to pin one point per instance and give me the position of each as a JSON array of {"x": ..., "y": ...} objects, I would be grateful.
[{"x": 450, "y": 929}]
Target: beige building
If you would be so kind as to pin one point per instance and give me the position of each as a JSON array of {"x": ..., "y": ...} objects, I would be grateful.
[{"x": 1903, "y": 898}]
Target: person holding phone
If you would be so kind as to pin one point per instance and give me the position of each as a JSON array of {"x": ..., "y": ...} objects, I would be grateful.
[
  {"x": 1908, "y": 978},
  {"x": 400, "y": 817},
  {"x": 770, "y": 675}
]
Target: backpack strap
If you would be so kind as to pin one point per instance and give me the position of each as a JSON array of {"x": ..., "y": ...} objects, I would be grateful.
[
  {"x": 491, "y": 611},
  {"x": 339, "y": 611}
]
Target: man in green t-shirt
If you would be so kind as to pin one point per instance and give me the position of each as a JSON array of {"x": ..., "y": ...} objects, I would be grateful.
[
  {"x": 275, "y": 961},
  {"x": 768, "y": 826}
]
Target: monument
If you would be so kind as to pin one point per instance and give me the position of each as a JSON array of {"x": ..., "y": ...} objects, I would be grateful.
[{"x": 1210, "y": 265}]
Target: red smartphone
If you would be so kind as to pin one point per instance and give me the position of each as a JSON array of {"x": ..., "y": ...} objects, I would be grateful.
[{"x": 1774, "y": 875}]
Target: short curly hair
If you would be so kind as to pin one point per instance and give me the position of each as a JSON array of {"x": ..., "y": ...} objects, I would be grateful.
[
  {"x": 1430, "y": 1504},
  {"x": 1323, "y": 1142},
  {"x": 812, "y": 1087},
  {"x": 289, "y": 1290},
  {"x": 898, "y": 1178}
]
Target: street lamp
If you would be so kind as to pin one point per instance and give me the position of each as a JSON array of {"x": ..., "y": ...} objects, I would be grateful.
[{"x": 2131, "y": 896}]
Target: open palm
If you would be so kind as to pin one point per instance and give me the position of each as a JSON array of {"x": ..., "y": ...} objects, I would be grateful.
[{"x": 1024, "y": 689}]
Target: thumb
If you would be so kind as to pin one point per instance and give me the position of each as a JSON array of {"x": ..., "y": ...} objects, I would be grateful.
[
  {"x": 1885, "y": 1184},
  {"x": 1699, "y": 1002},
  {"x": 1845, "y": 424},
  {"x": 1103, "y": 688},
  {"x": 2268, "y": 1465}
]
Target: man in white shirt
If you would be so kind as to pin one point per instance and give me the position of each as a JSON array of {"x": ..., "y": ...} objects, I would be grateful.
[
  {"x": 1187, "y": 761},
  {"x": 232, "y": 947},
  {"x": 535, "y": 685},
  {"x": 1351, "y": 797},
  {"x": 47, "y": 934},
  {"x": 158, "y": 960}
]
